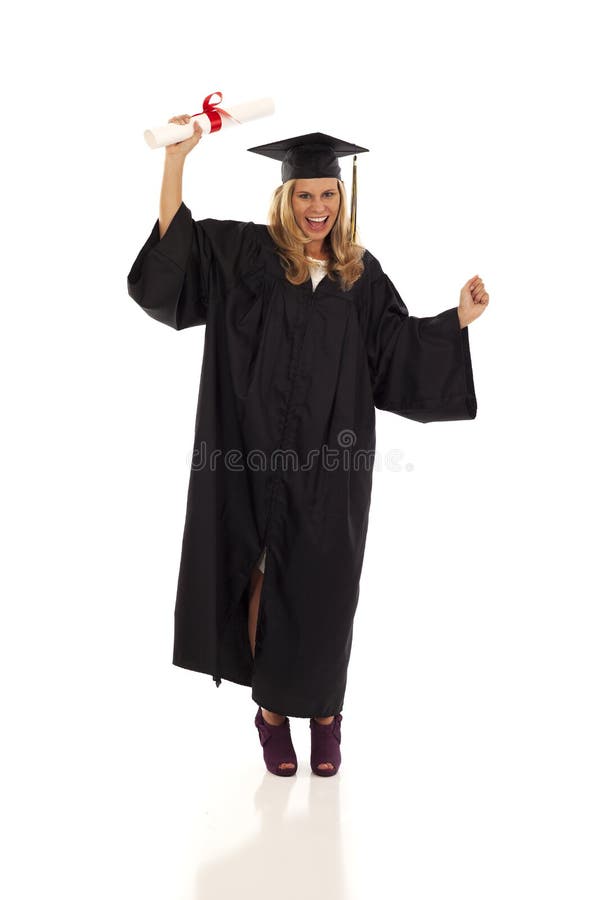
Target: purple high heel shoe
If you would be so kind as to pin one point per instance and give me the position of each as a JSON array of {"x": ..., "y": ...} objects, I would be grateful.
[
  {"x": 325, "y": 743},
  {"x": 277, "y": 745}
]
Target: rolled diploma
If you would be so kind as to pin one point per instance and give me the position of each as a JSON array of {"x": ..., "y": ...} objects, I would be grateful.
[{"x": 163, "y": 135}]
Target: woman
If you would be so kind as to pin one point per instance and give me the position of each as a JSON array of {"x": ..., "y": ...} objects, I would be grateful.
[{"x": 280, "y": 485}]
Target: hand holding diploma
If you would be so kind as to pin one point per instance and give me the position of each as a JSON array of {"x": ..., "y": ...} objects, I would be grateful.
[{"x": 181, "y": 149}]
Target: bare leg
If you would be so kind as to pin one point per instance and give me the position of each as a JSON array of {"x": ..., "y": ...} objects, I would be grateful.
[{"x": 256, "y": 583}]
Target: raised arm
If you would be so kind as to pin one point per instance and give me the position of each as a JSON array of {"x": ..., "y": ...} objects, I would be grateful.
[
  {"x": 166, "y": 279},
  {"x": 171, "y": 193},
  {"x": 420, "y": 366}
]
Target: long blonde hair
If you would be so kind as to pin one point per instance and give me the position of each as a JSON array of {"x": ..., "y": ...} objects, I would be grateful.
[{"x": 345, "y": 257}]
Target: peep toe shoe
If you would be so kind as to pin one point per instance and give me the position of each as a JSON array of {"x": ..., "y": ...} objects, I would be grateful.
[
  {"x": 325, "y": 743},
  {"x": 277, "y": 745}
]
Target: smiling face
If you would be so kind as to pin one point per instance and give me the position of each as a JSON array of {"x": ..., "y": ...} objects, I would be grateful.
[{"x": 316, "y": 199}]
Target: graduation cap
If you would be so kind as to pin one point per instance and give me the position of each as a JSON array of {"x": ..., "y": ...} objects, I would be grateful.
[{"x": 314, "y": 155}]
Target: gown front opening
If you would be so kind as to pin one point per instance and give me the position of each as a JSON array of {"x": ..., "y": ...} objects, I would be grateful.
[{"x": 318, "y": 270}]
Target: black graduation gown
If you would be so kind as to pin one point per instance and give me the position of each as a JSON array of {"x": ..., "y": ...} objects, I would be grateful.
[{"x": 286, "y": 371}]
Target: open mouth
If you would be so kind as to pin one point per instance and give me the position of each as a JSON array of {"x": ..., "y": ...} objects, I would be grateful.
[{"x": 317, "y": 223}]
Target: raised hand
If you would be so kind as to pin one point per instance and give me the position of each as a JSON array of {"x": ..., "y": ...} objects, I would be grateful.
[
  {"x": 473, "y": 300},
  {"x": 182, "y": 148}
]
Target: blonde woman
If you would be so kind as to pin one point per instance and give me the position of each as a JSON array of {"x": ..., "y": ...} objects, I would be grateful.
[{"x": 305, "y": 335}]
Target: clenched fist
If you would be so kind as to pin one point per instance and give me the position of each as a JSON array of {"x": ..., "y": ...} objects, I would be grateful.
[{"x": 473, "y": 300}]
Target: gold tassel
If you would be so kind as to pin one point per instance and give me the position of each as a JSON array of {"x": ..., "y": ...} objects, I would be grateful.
[{"x": 353, "y": 204}]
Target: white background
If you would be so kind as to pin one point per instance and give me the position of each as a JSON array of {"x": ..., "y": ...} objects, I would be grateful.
[{"x": 470, "y": 736}]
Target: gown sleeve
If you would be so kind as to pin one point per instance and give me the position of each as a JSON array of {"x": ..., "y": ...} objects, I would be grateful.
[
  {"x": 420, "y": 367},
  {"x": 174, "y": 277}
]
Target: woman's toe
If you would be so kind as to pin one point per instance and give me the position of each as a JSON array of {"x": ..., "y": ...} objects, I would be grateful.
[{"x": 325, "y": 766}]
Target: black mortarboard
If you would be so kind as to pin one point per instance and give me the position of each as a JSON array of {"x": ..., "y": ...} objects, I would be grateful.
[{"x": 313, "y": 156}]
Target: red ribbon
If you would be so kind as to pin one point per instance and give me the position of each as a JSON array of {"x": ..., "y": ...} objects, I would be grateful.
[{"x": 210, "y": 109}]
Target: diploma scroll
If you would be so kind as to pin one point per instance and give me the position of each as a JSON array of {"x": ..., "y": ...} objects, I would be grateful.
[{"x": 211, "y": 119}]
